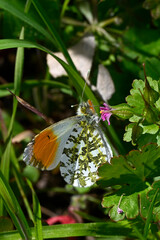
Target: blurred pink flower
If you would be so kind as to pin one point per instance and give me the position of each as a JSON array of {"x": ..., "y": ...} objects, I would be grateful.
[{"x": 63, "y": 219}]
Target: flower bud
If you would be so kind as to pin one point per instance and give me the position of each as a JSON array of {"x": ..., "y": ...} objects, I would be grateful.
[
  {"x": 150, "y": 95},
  {"x": 122, "y": 111}
]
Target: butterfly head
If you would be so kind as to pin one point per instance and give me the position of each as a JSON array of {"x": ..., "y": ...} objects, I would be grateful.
[{"x": 86, "y": 108}]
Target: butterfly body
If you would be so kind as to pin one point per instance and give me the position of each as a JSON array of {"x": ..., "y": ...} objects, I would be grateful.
[{"x": 76, "y": 142}]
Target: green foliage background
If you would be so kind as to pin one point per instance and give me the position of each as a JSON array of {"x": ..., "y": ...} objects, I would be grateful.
[{"x": 127, "y": 35}]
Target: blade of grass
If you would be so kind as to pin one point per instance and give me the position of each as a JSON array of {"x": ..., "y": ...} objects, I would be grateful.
[
  {"x": 37, "y": 214},
  {"x": 104, "y": 229},
  {"x": 77, "y": 81},
  {"x": 17, "y": 78},
  {"x": 20, "y": 184},
  {"x": 5, "y": 161},
  {"x": 29, "y": 84},
  {"x": 138, "y": 233},
  {"x": 149, "y": 215},
  {"x": 14, "y": 208},
  {"x": 64, "y": 7}
]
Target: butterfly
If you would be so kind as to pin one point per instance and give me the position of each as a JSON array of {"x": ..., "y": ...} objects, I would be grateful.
[{"x": 77, "y": 143}]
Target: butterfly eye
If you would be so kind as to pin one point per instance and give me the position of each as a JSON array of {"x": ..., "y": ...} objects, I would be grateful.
[{"x": 83, "y": 110}]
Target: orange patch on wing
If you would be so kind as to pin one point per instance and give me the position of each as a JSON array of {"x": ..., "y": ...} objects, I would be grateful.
[
  {"x": 45, "y": 148},
  {"x": 91, "y": 105}
]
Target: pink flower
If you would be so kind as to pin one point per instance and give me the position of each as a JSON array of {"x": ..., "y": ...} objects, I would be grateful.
[{"x": 106, "y": 112}]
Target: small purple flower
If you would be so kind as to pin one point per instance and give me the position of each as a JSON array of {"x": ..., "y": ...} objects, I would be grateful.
[
  {"x": 106, "y": 112},
  {"x": 119, "y": 210}
]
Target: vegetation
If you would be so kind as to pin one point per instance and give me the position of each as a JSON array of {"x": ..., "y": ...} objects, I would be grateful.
[{"x": 124, "y": 203}]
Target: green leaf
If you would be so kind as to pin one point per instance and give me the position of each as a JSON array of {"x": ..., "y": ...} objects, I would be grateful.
[
  {"x": 135, "y": 170},
  {"x": 128, "y": 134},
  {"x": 144, "y": 100},
  {"x": 141, "y": 43},
  {"x": 135, "y": 99},
  {"x": 129, "y": 203},
  {"x": 151, "y": 129}
]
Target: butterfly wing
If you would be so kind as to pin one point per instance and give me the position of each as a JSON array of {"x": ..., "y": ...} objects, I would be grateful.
[
  {"x": 85, "y": 150},
  {"x": 45, "y": 150}
]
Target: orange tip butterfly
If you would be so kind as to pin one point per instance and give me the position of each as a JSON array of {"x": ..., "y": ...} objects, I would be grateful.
[{"x": 77, "y": 143}]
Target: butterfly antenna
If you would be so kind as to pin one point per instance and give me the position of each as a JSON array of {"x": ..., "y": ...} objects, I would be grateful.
[
  {"x": 83, "y": 90},
  {"x": 86, "y": 80}
]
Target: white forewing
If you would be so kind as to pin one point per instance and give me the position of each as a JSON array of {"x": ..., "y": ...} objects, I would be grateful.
[{"x": 45, "y": 150}]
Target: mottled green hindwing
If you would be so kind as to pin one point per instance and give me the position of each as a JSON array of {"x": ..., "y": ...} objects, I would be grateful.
[{"x": 85, "y": 150}]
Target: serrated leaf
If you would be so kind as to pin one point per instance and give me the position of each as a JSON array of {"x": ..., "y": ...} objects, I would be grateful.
[
  {"x": 157, "y": 104},
  {"x": 135, "y": 99},
  {"x": 135, "y": 170},
  {"x": 137, "y": 102},
  {"x": 129, "y": 203},
  {"x": 153, "y": 84},
  {"x": 128, "y": 134},
  {"x": 143, "y": 100},
  {"x": 136, "y": 132},
  {"x": 151, "y": 129},
  {"x": 145, "y": 139},
  {"x": 135, "y": 118},
  {"x": 135, "y": 167}
]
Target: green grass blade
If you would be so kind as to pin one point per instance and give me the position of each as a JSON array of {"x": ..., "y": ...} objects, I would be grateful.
[
  {"x": 37, "y": 214},
  {"x": 29, "y": 84},
  {"x": 149, "y": 216},
  {"x": 64, "y": 8},
  {"x": 5, "y": 161},
  {"x": 14, "y": 208},
  {"x": 103, "y": 229},
  {"x": 138, "y": 233},
  {"x": 20, "y": 185}
]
